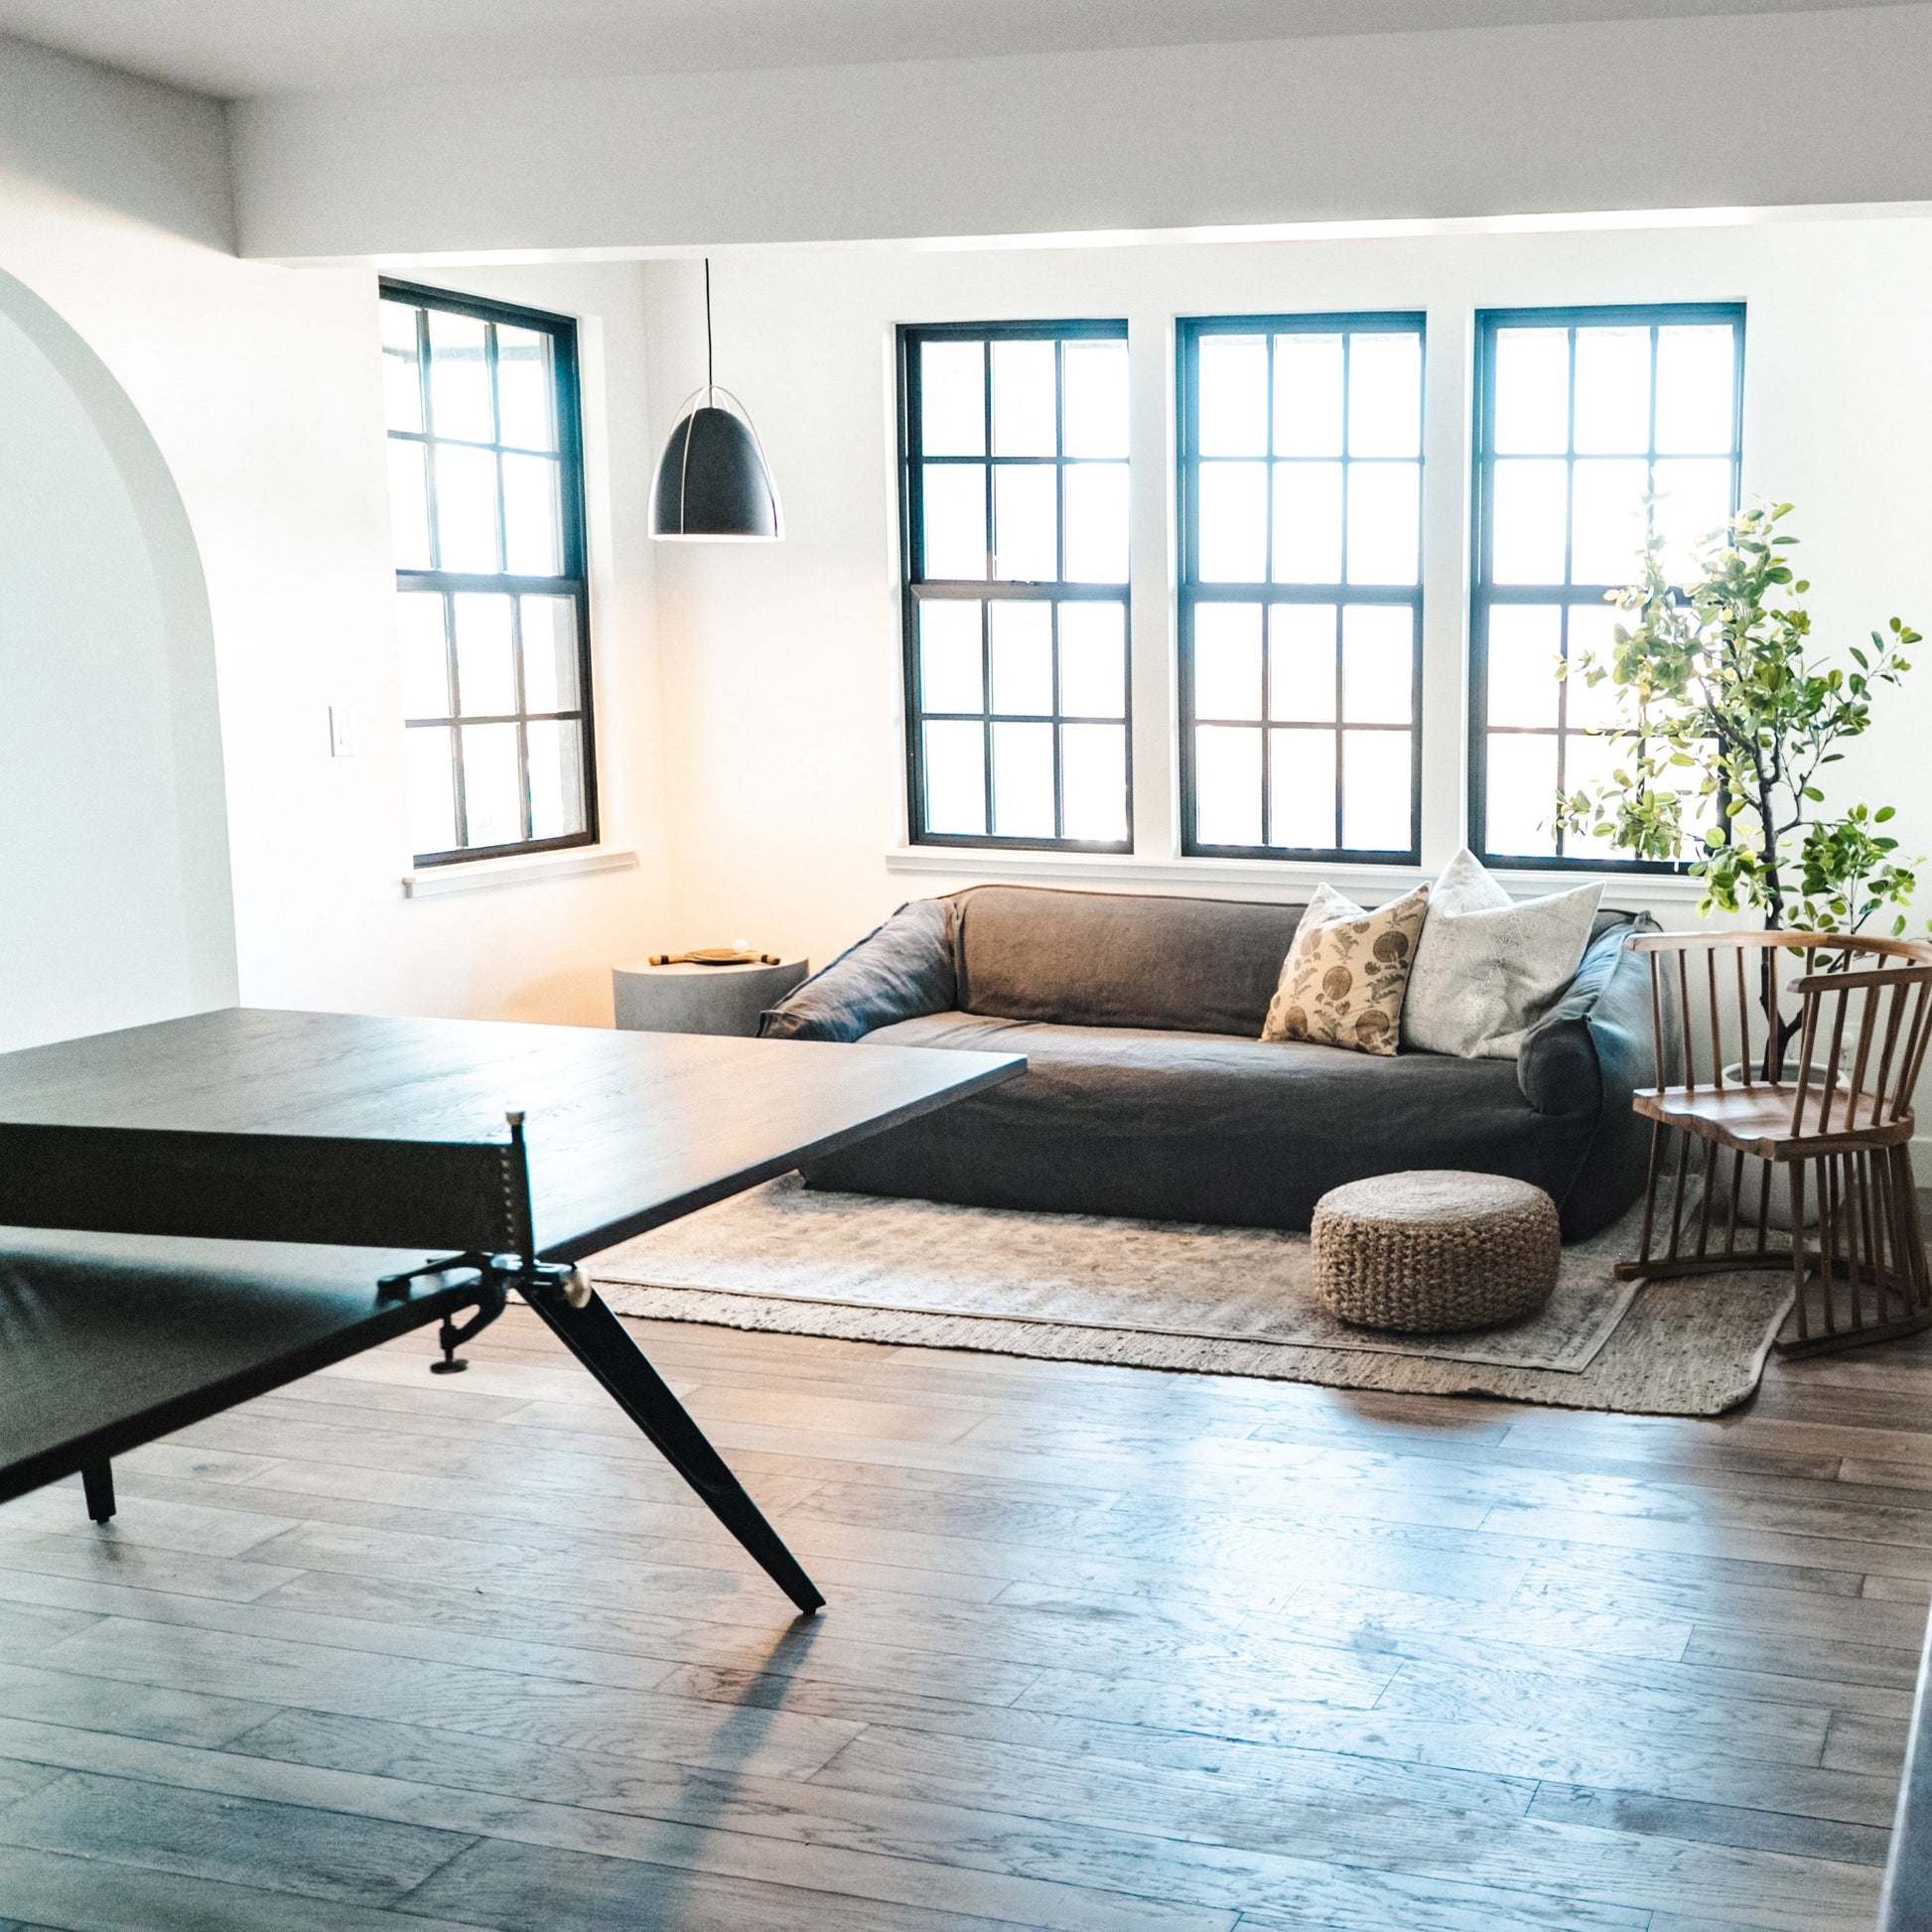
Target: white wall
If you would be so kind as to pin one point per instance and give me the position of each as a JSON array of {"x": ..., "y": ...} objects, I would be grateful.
[
  {"x": 110, "y": 140},
  {"x": 1804, "y": 108},
  {"x": 114, "y": 873},
  {"x": 259, "y": 386},
  {"x": 782, "y": 663}
]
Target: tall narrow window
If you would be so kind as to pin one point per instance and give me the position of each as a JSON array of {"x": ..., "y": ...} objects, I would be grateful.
[
  {"x": 486, "y": 490},
  {"x": 1013, "y": 443},
  {"x": 1595, "y": 428},
  {"x": 1301, "y": 591}
]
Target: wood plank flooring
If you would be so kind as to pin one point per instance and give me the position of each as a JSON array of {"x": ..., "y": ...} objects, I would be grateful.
[{"x": 1107, "y": 1651}]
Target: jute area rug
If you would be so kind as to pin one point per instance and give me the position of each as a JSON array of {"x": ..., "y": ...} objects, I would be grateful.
[{"x": 1160, "y": 1295}]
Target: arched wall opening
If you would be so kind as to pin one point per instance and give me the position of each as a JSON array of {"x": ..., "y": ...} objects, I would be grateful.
[{"x": 115, "y": 903}]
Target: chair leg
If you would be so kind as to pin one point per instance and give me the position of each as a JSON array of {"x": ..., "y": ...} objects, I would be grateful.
[
  {"x": 1800, "y": 1261},
  {"x": 97, "y": 1490},
  {"x": 1912, "y": 1263},
  {"x": 1650, "y": 1190},
  {"x": 1904, "y": 1304},
  {"x": 1669, "y": 1169},
  {"x": 1870, "y": 1211}
]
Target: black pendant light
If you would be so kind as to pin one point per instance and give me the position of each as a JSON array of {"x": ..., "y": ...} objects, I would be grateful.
[{"x": 712, "y": 484}]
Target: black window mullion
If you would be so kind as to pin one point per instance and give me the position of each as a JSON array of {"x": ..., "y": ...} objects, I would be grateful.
[
  {"x": 1270, "y": 459},
  {"x": 1267, "y": 735},
  {"x": 1341, "y": 571},
  {"x": 991, "y": 566},
  {"x": 1569, "y": 596},
  {"x": 1569, "y": 568},
  {"x": 1270, "y": 594},
  {"x": 447, "y": 602},
  {"x": 1058, "y": 723},
  {"x": 911, "y": 543},
  {"x": 986, "y": 701},
  {"x": 992, "y": 590},
  {"x": 570, "y": 585},
  {"x": 430, "y": 507},
  {"x": 1057, "y": 734},
  {"x": 489, "y": 376},
  {"x": 992, "y": 494},
  {"x": 1347, "y": 356},
  {"x": 521, "y": 692},
  {"x": 1341, "y": 717},
  {"x": 1060, "y": 463}
]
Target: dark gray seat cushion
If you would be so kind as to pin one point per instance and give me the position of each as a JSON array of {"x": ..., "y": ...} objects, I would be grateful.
[{"x": 1199, "y": 1127}]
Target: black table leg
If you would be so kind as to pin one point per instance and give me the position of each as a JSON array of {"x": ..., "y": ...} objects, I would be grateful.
[
  {"x": 98, "y": 1489},
  {"x": 603, "y": 1345}
]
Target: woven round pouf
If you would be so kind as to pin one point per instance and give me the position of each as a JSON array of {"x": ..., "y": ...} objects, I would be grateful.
[{"x": 1434, "y": 1250}]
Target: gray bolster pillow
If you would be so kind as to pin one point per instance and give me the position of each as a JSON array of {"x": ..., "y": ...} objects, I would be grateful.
[
  {"x": 1562, "y": 1065},
  {"x": 898, "y": 971}
]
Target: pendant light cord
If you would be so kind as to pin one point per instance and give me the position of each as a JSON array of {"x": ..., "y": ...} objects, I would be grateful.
[{"x": 707, "y": 329}]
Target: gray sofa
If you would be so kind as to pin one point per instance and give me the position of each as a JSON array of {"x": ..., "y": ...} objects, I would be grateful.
[{"x": 1148, "y": 1093}]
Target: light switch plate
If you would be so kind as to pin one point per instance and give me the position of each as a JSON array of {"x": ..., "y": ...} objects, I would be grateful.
[{"x": 345, "y": 732}]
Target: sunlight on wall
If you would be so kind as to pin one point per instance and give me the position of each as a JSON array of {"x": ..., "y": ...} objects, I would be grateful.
[{"x": 114, "y": 864}]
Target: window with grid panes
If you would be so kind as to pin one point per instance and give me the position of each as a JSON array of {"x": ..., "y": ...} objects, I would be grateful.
[
  {"x": 487, "y": 492},
  {"x": 1015, "y": 522},
  {"x": 1301, "y": 596},
  {"x": 1594, "y": 427}
]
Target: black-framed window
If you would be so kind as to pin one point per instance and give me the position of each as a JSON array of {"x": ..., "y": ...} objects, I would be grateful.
[
  {"x": 1582, "y": 416},
  {"x": 1300, "y": 590},
  {"x": 1014, "y": 521},
  {"x": 487, "y": 494}
]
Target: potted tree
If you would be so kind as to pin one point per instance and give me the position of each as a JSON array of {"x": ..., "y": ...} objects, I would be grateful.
[{"x": 1732, "y": 720}]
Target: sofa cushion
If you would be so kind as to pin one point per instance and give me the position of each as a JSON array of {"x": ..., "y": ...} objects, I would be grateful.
[
  {"x": 1197, "y": 1126},
  {"x": 1343, "y": 980},
  {"x": 898, "y": 969},
  {"x": 1118, "y": 959},
  {"x": 1560, "y": 1067},
  {"x": 1488, "y": 967}
]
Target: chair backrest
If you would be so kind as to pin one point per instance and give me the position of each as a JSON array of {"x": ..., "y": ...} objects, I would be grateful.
[{"x": 1839, "y": 1022}]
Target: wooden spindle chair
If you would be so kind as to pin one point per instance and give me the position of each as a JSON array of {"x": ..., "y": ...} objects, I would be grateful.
[{"x": 1729, "y": 1012}]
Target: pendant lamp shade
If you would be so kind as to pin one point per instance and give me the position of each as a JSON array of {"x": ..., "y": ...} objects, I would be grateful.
[{"x": 711, "y": 484}]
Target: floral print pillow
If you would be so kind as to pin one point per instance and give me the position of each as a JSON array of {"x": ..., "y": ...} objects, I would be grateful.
[{"x": 1344, "y": 976}]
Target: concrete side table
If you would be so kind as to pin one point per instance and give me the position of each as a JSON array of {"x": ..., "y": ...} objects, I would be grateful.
[{"x": 701, "y": 998}]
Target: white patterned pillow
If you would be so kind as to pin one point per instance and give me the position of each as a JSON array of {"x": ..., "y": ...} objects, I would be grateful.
[{"x": 1487, "y": 968}]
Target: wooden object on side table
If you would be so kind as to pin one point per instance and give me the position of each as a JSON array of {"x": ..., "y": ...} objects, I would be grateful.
[
  {"x": 690, "y": 994},
  {"x": 1829, "y": 1034}
]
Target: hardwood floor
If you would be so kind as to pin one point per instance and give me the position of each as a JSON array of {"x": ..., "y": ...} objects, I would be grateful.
[{"x": 1107, "y": 1651}]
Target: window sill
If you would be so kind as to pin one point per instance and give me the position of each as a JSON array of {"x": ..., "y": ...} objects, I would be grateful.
[
  {"x": 485, "y": 875},
  {"x": 1260, "y": 878}
]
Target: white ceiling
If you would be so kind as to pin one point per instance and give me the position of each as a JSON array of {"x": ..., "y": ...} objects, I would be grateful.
[{"x": 252, "y": 46}]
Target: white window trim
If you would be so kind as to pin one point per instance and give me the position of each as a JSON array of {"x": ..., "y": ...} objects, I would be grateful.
[
  {"x": 1265, "y": 878},
  {"x": 485, "y": 875}
]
